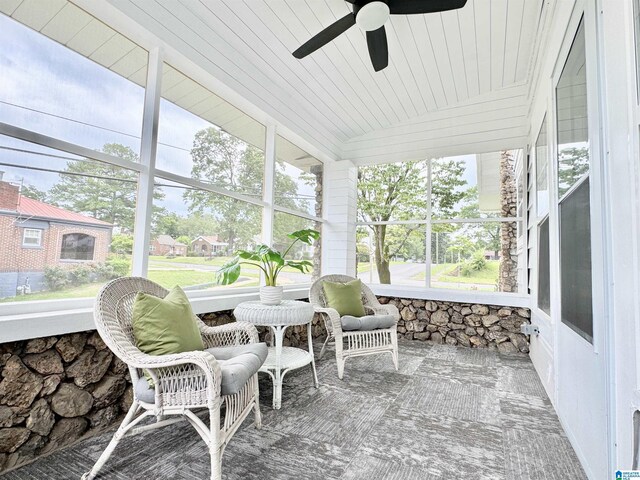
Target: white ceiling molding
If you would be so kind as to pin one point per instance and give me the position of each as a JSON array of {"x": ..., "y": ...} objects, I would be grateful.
[{"x": 488, "y": 123}]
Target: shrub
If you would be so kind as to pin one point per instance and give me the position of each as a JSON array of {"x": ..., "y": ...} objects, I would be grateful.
[
  {"x": 119, "y": 265},
  {"x": 79, "y": 275},
  {"x": 56, "y": 278},
  {"x": 474, "y": 264}
]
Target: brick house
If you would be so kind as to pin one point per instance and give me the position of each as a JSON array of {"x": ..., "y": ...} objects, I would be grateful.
[
  {"x": 209, "y": 246},
  {"x": 166, "y": 245},
  {"x": 35, "y": 235}
]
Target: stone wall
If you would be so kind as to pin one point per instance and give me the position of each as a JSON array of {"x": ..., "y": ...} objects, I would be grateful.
[
  {"x": 508, "y": 274},
  {"x": 57, "y": 390},
  {"x": 465, "y": 324}
]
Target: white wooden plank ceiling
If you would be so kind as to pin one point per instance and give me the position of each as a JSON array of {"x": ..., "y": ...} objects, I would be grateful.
[{"x": 333, "y": 98}]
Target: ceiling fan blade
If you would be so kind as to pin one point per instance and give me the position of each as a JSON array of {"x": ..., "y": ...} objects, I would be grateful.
[
  {"x": 378, "y": 49},
  {"x": 326, "y": 35},
  {"x": 409, "y": 7}
]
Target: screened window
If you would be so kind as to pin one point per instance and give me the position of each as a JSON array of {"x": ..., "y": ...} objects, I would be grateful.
[
  {"x": 82, "y": 201},
  {"x": 544, "y": 289},
  {"x": 203, "y": 137},
  {"x": 62, "y": 194},
  {"x": 573, "y": 184},
  {"x": 444, "y": 223},
  {"x": 211, "y": 226},
  {"x": 64, "y": 79},
  {"x": 542, "y": 169},
  {"x": 297, "y": 178},
  {"x": 575, "y": 261},
  {"x": 572, "y": 126},
  {"x": 32, "y": 237},
  {"x": 77, "y": 246}
]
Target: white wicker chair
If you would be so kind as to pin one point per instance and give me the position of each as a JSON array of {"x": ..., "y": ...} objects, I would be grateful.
[
  {"x": 184, "y": 382},
  {"x": 355, "y": 343}
]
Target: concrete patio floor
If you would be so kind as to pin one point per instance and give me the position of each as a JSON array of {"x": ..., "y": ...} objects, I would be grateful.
[{"x": 449, "y": 412}]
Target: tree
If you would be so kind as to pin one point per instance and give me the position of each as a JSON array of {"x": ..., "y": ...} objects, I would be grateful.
[
  {"x": 398, "y": 191},
  {"x": 102, "y": 191},
  {"x": 122, "y": 243},
  {"x": 394, "y": 190},
  {"x": 185, "y": 239},
  {"x": 447, "y": 186},
  {"x": 167, "y": 223},
  {"x": 573, "y": 163},
  {"x": 228, "y": 162},
  {"x": 30, "y": 191},
  {"x": 485, "y": 235}
]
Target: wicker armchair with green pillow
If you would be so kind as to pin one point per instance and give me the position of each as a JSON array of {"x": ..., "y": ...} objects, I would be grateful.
[
  {"x": 189, "y": 365},
  {"x": 355, "y": 319}
]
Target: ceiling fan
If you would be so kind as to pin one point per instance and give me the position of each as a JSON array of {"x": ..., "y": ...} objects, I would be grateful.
[{"x": 370, "y": 16}]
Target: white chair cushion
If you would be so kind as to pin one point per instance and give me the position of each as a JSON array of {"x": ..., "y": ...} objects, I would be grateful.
[
  {"x": 238, "y": 364},
  {"x": 367, "y": 323}
]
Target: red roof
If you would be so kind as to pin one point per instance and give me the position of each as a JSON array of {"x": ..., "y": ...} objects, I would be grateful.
[{"x": 34, "y": 208}]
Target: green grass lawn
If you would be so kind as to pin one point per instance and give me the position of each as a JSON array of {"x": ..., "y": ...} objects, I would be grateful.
[
  {"x": 171, "y": 278},
  {"x": 486, "y": 276},
  {"x": 166, "y": 278},
  {"x": 215, "y": 262},
  {"x": 89, "y": 290},
  {"x": 439, "y": 273}
]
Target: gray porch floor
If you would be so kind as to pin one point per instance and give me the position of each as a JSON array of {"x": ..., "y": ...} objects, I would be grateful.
[{"x": 449, "y": 412}]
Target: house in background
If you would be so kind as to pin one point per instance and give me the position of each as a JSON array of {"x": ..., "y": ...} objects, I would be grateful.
[
  {"x": 209, "y": 246},
  {"x": 166, "y": 245},
  {"x": 36, "y": 235}
]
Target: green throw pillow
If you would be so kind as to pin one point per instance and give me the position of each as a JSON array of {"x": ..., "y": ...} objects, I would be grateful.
[
  {"x": 162, "y": 326},
  {"x": 346, "y": 298}
]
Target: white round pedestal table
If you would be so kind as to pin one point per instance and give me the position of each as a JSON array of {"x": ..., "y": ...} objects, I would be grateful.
[{"x": 281, "y": 359}]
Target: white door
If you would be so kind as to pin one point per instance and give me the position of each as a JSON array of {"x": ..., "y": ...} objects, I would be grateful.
[{"x": 577, "y": 302}]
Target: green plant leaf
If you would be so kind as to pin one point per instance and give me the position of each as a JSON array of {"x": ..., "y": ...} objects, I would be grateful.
[
  {"x": 304, "y": 266},
  {"x": 247, "y": 255},
  {"x": 306, "y": 236},
  {"x": 268, "y": 254},
  {"x": 229, "y": 272}
]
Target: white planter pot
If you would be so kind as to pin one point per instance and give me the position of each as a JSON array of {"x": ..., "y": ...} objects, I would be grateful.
[{"x": 271, "y": 295}]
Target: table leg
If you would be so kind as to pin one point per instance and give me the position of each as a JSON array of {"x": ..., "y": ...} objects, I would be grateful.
[
  {"x": 277, "y": 384},
  {"x": 313, "y": 358}
]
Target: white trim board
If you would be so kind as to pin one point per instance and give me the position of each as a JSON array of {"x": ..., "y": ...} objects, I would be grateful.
[
  {"x": 455, "y": 296},
  {"x": 24, "y": 326}
]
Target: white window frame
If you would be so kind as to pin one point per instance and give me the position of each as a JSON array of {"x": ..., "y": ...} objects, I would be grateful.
[{"x": 38, "y": 237}]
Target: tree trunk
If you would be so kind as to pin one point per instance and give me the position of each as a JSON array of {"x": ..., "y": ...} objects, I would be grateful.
[{"x": 382, "y": 262}]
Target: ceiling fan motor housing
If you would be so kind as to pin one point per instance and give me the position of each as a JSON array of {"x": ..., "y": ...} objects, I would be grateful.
[{"x": 372, "y": 15}]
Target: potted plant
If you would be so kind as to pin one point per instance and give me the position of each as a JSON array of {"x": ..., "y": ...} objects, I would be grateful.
[{"x": 271, "y": 262}]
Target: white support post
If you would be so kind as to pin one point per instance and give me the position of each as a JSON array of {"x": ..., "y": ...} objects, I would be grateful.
[
  {"x": 268, "y": 189},
  {"x": 148, "y": 148},
  {"x": 269, "y": 184},
  {"x": 340, "y": 211},
  {"x": 428, "y": 229}
]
